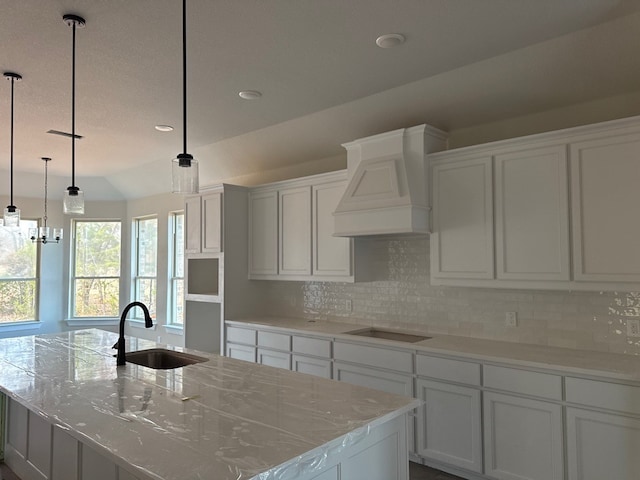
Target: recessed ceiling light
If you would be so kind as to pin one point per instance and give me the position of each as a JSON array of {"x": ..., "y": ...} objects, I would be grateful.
[
  {"x": 390, "y": 40},
  {"x": 164, "y": 128},
  {"x": 250, "y": 94}
]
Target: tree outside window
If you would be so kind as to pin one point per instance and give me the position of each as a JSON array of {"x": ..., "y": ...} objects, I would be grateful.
[
  {"x": 146, "y": 266},
  {"x": 18, "y": 274},
  {"x": 95, "y": 284}
]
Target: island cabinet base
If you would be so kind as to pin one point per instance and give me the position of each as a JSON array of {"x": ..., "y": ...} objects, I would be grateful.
[{"x": 37, "y": 450}]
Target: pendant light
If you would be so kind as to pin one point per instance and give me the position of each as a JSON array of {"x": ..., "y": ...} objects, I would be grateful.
[
  {"x": 12, "y": 213},
  {"x": 184, "y": 169},
  {"x": 73, "y": 202},
  {"x": 43, "y": 234}
]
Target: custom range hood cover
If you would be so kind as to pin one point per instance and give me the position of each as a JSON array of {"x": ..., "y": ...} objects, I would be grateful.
[{"x": 388, "y": 187}]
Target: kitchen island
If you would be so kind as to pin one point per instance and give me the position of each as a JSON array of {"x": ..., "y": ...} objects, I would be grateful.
[{"x": 72, "y": 414}]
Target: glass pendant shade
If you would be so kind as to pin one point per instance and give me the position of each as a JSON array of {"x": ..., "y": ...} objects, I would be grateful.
[
  {"x": 184, "y": 174},
  {"x": 11, "y": 217},
  {"x": 73, "y": 201}
]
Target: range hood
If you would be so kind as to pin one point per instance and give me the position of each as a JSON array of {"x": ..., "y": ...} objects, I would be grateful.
[{"x": 388, "y": 185}]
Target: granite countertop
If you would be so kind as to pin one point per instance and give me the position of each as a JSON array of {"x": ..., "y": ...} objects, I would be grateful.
[
  {"x": 224, "y": 418},
  {"x": 614, "y": 366}
]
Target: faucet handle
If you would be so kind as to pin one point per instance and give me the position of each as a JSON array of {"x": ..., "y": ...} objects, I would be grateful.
[{"x": 116, "y": 345}]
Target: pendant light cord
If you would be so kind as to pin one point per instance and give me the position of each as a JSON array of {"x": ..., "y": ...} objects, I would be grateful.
[
  {"x": 184, "y": 75},
  {"x": 12, "y": 82},
  {"x": 46, "y": 176},
  {"x": 73, "y": 108}
]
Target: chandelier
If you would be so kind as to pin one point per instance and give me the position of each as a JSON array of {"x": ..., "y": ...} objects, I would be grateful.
[{"x": 43, "y": 234}]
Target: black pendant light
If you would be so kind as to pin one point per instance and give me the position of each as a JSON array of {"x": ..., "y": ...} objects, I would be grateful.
[
  {"x": 184, "y": 169},
  {"x": 43, "y": 234},
  {"x": 73, "y": 202},
  {"x": 12, "y": 213}
]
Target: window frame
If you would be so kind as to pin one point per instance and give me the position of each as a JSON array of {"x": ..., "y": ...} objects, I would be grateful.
[
  {"x": 173, "y": 279},
  {"x": 73, "y": 319},
  {"x": 20, "y": 324},
  {"x": 136, "y": 313}
]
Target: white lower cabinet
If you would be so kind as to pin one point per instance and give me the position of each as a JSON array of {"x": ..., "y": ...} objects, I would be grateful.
[
  {"x": 320, "y": 367},
  {"x": 478, "y": 419},
  {"x": 390, "y": 382},
  {"x": 523, "y": 438},
  {"x": 602, "y": 446},
  {"x": 450, "y": 424},
  {"x": 241, "y": 352},
  {"x": 274, "y": 358}
]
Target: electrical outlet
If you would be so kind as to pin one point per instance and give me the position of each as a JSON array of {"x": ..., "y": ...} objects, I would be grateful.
[
  {"x": 633, "y": 328},
  {"x": 511, "y": 319},
  {"x": 348, "y": 305}
]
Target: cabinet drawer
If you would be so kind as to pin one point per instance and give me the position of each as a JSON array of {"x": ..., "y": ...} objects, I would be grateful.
[
  {"x": 610, "y": 396},
  {"x": 447, "y": 369},
  {"x": 312, "y": 346},
  {"x": 241, "y": 335},
  {"x": 374, "y": 356},
  {"x": 278, "y": 341},
  {"x": 521, "y": 381}
]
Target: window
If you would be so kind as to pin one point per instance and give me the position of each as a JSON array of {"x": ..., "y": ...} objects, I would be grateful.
[
  {"x": 176, "y": 269},
  {"x": 95, "y": 283},
  {"x": 18, "y": 274},
  {"x": 146, "y": 264}
]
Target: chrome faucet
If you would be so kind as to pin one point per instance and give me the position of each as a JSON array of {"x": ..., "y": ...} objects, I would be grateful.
[{"x": 121, "y": 360}]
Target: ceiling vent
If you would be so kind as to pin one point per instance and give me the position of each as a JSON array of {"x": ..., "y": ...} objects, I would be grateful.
[{"x": 387, "y": 192}]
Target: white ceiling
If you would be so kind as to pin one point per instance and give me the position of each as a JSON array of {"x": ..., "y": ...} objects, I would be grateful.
[{"x": 323, "y": 79}]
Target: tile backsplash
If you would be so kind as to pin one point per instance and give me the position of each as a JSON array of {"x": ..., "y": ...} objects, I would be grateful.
[{"x": 402, "y": 297}]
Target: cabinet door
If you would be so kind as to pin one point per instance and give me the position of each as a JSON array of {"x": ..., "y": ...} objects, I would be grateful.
[
  {"x": 295, "y": 231},
  {"x": 263, "y": 233},
  {"x": 601, "y": 445},
  {"x": 390, "y": 382},
  {"x": 522, "y": 438},
  {"x": 462, "y": 238},
  {"x": 274, "y": 359},
  {"x": 331, "y": 255},
  {"x": 320, "y": 367},
  {"x": 192, "y": 225},
  {"x": 532, "y": 214},
  {"x": 241, "y": 352},
  {"x": 449, "y": 424},
  {"x": 605, "y": 175},
  {"x": 212, "y": 223}
]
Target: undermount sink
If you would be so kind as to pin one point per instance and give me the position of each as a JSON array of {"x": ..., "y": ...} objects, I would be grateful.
[
  {"x": 162, "y": 359},
  {"x": 388, "y": 335}
]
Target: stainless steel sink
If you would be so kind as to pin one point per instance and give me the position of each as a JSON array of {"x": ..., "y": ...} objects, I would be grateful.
[
  {"x": 388, "y": 335},
  {"x": 162, "y": 359}
]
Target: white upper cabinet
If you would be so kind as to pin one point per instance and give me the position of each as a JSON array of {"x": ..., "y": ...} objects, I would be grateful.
[
  {"x": 263, "y": 233},
  {"x": 532, "y": 214},
  {"x": 211, "y": 222},
  {"x": 513, "y": 198},
  {"x": 294, "y": 247},
  {"x": 192, "y": 224},
  {"x": 203, "y": 215},
  {"x": 462, "y": 238},
  {"x": 331, "y": 255},
  {"x": 605, "y": 184},
  {"x": 291, "y": 231}
]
